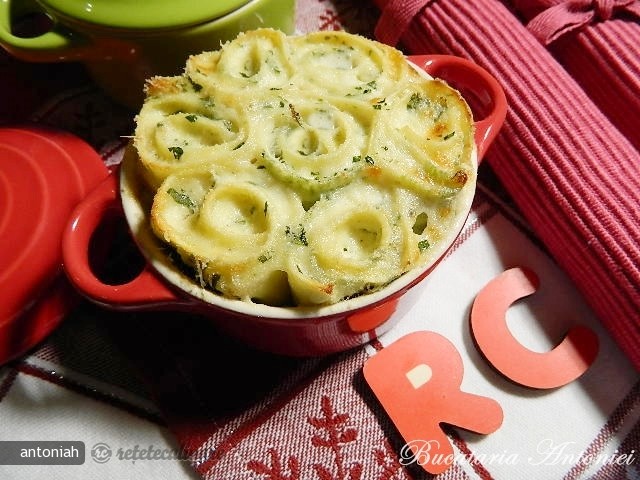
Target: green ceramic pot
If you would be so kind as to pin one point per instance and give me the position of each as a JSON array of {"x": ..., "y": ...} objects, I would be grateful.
[{"x": 124, "y": 42}]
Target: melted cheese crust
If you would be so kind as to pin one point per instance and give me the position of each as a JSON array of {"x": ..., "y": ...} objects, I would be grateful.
[{"x": 302, "y": 170}]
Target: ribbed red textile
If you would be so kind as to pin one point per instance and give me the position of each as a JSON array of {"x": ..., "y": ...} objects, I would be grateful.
[
  {"x": 602, "y": 55},
  {"x": 574, "y": 176}
]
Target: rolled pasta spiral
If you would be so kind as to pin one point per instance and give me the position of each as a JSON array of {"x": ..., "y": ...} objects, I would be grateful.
[
  {"x": 228, "y": 227},
  {"x": 312, "y": 143},
  {"x": 179, "y": 130},
  {"x": 344, "y": 65},
  {"x": 353, "y": 244},
  {"x": 302, "y": 170},
  {"x": 253, "y": 61},
  {"x": 422, "y": 143}
]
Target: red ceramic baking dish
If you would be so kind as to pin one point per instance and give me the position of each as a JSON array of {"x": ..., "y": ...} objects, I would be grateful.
[{"x": 296, "y": 331}]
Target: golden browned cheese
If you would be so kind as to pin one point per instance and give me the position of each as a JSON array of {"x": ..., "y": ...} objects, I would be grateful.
[{"x": 303, "y": 170}]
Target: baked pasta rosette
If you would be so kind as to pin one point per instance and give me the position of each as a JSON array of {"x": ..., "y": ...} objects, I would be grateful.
[
  {"x": 255, "y": 60},
  {"x": 310, "y": 143},
  {"x": 343, "y": 65},
  {"x": 424, "y": 139},
  {"x": 350, "y": 242},
  {"x": 228, "y": 226},
  {"x": 178, "y": 128}
]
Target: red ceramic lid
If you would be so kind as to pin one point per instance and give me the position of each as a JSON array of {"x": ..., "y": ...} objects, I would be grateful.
[{"x": 44, "y": 173}]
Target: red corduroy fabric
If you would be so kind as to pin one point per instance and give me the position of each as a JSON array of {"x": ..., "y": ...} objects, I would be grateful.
[
  {"x": 574, "y": 176},
  {"x": 598, "y": 43}
]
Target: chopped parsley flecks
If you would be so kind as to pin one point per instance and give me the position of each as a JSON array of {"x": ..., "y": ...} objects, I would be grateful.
[
  {"x": 378, "y": 105},
  {"x": 421, "y": 223},
  {"x": 196, "y": 86},
  {"x": 299, "y": 237},
  {"x": 423, "y": 245},
  {"x": 449, "y": 135},
  {"x": 191, "y": 117},
  {"x": 437, "y": 107},
  {"x": 265, "y": 257},
  {"x": 182, "y": 198},
  {"x": 176, "y": 151},
  {"x": 440, "y": 108},
  {"x": 417, "y": 101}
]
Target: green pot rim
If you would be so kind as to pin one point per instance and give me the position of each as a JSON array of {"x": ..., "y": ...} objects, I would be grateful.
[{"x": 145, "y": 14}]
